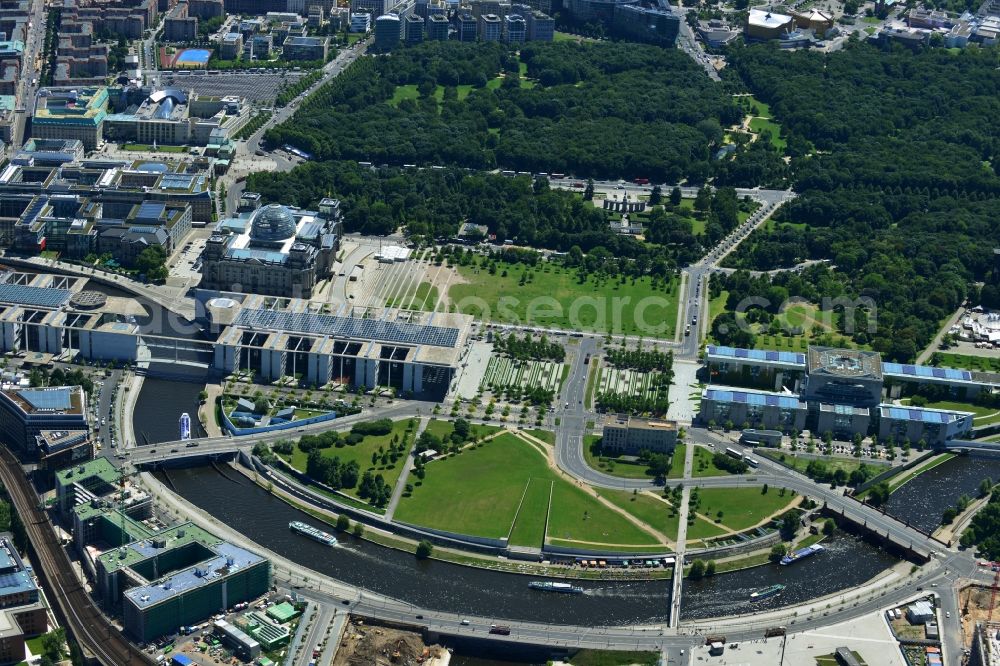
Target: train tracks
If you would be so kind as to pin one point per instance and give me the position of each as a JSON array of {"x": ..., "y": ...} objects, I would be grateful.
[{"x": 77, "y": 610}]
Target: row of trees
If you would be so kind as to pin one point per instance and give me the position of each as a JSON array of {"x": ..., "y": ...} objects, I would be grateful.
[
  {"x": 529, "y": 348},
  {"x": 643, "y": 360}
]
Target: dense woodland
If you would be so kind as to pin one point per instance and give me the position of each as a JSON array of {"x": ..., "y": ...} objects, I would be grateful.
[
  {"x": 600, "y": 109},
  {"x": 900, "y": 194},
  {"x": 892, "y": 151}
]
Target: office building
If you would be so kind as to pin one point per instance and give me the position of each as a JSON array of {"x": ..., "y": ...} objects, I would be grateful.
[
  {"x": 843, "y": 392},
  {"x": 515, "y": 29},
  {"x": 490, "y": 28},
  {"x": 149, "y": 224},
  {"x": 416, "y": 354},
  {"x": 22, "y": 611},
  {"x": 646, "y": 24},
  {"x": 273, "y": 250},
  {"x": 231, "y": 46},
  {"x": 49, "y": 152},
  {"x": 594, "y": 10},
  {"x": 540, "y": 27},
  {"x": 58, "y": 449},
  {"x": 306, "y": 48},
  {"x": 361, "y": 23},
  {"x": 71, "y": 113},
  {"x": 437, "y": 28},
  {"x": 388, "y": 32},
  {"x": 632, "y": 435},
  {"x": 26, "y": 413},
  {"x": 466, "y": 26},
  {"x": 178, "y": 576},
  {"x": 413, "y": 29},
  {"x": 179, "y": 26}
]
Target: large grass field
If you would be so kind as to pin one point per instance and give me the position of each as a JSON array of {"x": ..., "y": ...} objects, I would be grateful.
[
  {"x": 702, "y": 464},
  {"x": 741, "y": 507},
  {"x": 478, "y": 491},
  {"x": 577, "y": 516},
  {"x": 443, "y": 429},
  {"x": 555, "y": 296},
  {"x": 653, "y": 512},
  {"x": 361, "y": 453}
]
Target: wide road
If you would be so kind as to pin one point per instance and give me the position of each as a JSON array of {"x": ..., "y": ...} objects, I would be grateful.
[
  {"x": 84, "y": 620},
  {"x": 30, "y": 72}
]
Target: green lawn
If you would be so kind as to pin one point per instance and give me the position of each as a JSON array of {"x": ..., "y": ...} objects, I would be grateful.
[
  {"x": 546, "y": 436},
  {"x": 477, "y": 491},
  {"x": 833, "y": 463},
  {"x": 763, "y": 110},
  {"x": 702, "y": 529},
  {"x": 677, "y": 462},
  {"x": 529, "y": 528},
  {"x": 443, "y": 429},
  {"x": 555, "y": 296},
  {"x": 611, "y": 464},
  {"x": 149, "y": 148},
  {"x": 577, "y": 516},
  {"x": 362, "y": 453},
  {"x": 966, "y": 362},
  {"x": 425, "y": 297},
  {"x": 404, "y": 92},
  {"x": 653, "y": 512},
  {"x": 702, "y": 464},
  {"x": 758, "y": 125},
  {"x": 741, "y": 507}
]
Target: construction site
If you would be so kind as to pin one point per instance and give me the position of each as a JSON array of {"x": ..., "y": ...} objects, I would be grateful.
[
  {"x": 375, "y": 645},
  {"x": 981, "y": 623}
]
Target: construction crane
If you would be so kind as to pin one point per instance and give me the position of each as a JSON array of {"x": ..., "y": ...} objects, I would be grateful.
[{"x": 993, "y": 595}]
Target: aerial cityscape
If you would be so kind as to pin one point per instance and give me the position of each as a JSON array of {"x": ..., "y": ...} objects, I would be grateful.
[{"x": 499, "y": 332}]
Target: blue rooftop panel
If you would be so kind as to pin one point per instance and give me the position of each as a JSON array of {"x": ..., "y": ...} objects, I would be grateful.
[
  {"x": 42, "y": 297},
  {"x": 771, "y": 356},
  {"x": 762, "y": 399},
  {"x": 54, "y": 399},
  {"x": 908, "y": 370}
]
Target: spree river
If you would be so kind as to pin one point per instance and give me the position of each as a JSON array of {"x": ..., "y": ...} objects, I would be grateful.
[{"x": 923, "y": 499}]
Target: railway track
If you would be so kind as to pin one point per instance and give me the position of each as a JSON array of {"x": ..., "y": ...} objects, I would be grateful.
[{"x": 77, "y": 610}]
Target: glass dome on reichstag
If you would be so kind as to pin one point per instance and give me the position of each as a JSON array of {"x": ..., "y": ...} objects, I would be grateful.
[{"x": 273, "y": 222}]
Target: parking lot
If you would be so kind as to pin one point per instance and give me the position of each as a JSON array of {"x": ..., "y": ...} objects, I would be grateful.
[{"x": 259, "y": 86}]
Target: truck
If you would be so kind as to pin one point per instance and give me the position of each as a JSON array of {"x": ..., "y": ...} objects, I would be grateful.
[
  {"x": 714, "y": 639},
  {"x": 771, "y": 632},
  {"x": 501, "y": 629},
  {"x": 641, "y": 181}
]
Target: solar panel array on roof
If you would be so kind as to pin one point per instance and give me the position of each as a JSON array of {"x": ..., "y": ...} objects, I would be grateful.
[
  {"x": 42, "y": 297},
  {"x": 794, "y": 358},
  {"x": 176, "y": 181},
  {"x": 376, "y": 330},
  {"x": 750, "y": 398},
  {"x": 924, "y": 415},
  {"x": 48, "y": 399},
  {"x": 151, "y": 210},
  {"x": 926, "y": 371}
]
